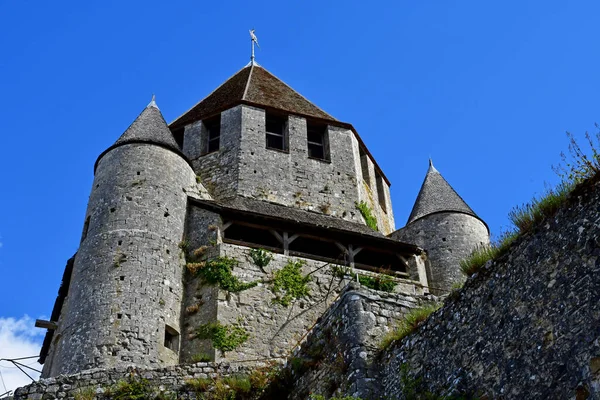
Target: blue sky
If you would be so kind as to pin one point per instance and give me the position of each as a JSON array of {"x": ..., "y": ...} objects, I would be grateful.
[{"x": 487, "y": 89}]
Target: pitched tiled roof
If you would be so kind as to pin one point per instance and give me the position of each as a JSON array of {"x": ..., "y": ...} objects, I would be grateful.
[
  {"x": 307, "y": 220},
  {"x": 436, "y": 195},
  {"x": 298, "y": 215},
  {"x": 148, "y": 127},
  {"x": 256, "y": 86}
]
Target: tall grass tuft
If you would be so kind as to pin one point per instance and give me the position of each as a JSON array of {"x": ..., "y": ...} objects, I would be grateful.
[
  {"x": 530, "y": 214},
  {"x": 478, "y": 258},
  {"x": 484, "y": 253},
  {"x": 409, "y": 324}
]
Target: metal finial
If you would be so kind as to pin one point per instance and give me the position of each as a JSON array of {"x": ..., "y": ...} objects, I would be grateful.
[
  {"x": 431, "y": 167},
  {"x": 253, "y": 40},
  {"x": 152, "y": 102}
]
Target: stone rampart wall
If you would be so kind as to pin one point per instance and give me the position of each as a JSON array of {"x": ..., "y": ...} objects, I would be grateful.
[
  {"x": 526, "y": 326},
  {"x": 337, "y": 355},
  {"x": 164, "y": 383}
]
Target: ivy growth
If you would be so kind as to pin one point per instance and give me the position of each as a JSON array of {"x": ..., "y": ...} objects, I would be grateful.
[
  {"x": 381, "y": 282},
  {"x": 223, "y": 337},
  {"x": 289, "y": 283},
  {"x": 367, "y": 214},
  {"x": 218, "y": 270}
]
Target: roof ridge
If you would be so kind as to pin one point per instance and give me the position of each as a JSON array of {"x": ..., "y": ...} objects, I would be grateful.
[
  {"x": 248, "y": 81},
  {"x": 208, "y": 95}
]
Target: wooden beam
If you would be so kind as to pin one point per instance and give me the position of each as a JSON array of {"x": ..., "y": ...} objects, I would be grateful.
[
  {"x": 341, "y": 247},
  {"x": 277, "y": 235},
  {"x": 292, "y": 238},
  {"x": 404, "y": 262},
  {"x": 41, "y": 323},
  {"x": 287, "y": 239},
  {"x": 354, "y": 251}
]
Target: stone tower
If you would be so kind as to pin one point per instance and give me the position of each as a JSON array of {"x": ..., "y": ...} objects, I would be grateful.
[
  {"x": 254, "y": 165},
  {"x": 124, "y": 300},
  {"x": 256, "y": 137},
  {"x": 446, "y": 227}
]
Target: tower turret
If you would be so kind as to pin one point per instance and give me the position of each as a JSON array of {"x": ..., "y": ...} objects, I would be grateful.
[
  {"x": 124, "y": 298},
  {"x": 446, "y": 227}
]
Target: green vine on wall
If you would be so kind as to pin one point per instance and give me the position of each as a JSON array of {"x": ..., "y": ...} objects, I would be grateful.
[
  {"x": 289, "y": 283},
  {"x": 224, "y": 337},
  {"x": 367, "y": 214},
  {"x": 218, "y": 271}
]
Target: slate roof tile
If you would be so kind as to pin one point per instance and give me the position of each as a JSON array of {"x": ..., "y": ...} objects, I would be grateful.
[
  {"x": 252, "y": 85},
  {"x": 436, "y": 195}
]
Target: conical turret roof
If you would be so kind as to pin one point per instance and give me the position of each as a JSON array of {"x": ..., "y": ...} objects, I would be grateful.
[
  {"x": 149, "y": 127},
  {"x": 436, "y": 195},
  {"x": 252, "y": 85}
]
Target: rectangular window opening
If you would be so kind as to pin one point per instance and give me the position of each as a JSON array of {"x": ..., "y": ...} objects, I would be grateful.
[
  {"x": 178, "y": 135},
  {"x": 381, "y": 192},
  {"x": 171, "y": 338},
  {"x": 213, "y": 133},
  {"x": 276, "y": 132},
  {"x": 86, "y": 226},
  {"x": 364, "y": 165},
  {"x": 317, "y": 141}
]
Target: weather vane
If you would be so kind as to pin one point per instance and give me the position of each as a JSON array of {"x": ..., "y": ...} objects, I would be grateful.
[{"x": 254, "y": 40}]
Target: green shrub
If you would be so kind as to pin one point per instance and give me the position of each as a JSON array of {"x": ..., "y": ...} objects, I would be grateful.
[
  {"x": 289, "y": 283},
  {"x": 239, "y": 384},
  {"x": 380, "y": 282},
  {"x": 88, "y": 393},
  {"x": 184, "y": 245},
  {"x": 233, "y": 387},
  {"x": 367, "y": 214},
  {"x": 409, "y": 324},
  {"x": 581, "y": 166},
  {"x": 341, "y": 271},
  {"x": 218, "y": 270},
  {"x": 198, "y": 385},
  {"x": 224, "y": 337},
  {"x": 132, "y": 389},
  {"x": 261, "y": 257},
  {"x": 201, "y": 357}
]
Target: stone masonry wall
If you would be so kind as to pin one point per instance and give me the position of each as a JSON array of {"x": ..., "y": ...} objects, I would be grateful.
[
  {"x": 448, "y": 239},
  {"x": 291, "y": 177},
  {"x": 244, "y": 166},
  {"x": 126, "y": 282},
  {"x": 337, "y": 355},
  {"x": 166, "y": 383},
  {"x": 273, "y": 328},
  {"x": 219, "y": 170},
  {"x": 369, "y": 191},
  {"x": 526, "y": 326}
]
